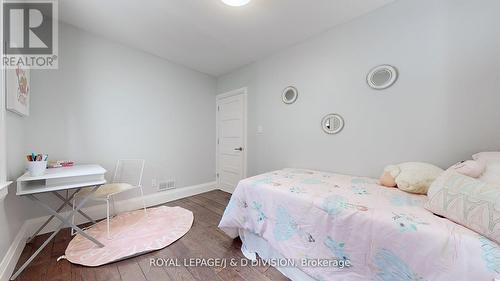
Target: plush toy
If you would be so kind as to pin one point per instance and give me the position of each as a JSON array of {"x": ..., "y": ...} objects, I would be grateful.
[{"x": 413, "y": 177}]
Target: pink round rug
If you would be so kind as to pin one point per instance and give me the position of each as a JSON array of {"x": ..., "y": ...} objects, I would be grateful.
[{"x": 132, "y": 233}]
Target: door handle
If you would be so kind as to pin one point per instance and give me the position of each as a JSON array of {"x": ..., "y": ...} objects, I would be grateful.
[{"x": 239, "y": 149}]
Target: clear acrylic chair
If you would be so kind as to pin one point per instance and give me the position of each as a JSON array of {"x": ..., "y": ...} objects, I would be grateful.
[{"x": 128, "y": 175}]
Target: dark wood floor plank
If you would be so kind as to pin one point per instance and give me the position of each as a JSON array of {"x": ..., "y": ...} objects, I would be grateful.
[
  {"x": 59, "y": 270},
  {"x": 217, "y": 196},
  {"x": 82, "y": 273},
  {"x": 273, "y": 274},
  {"x": 35, "y": 272},
  {"x": 130, "y": 270},
  {"x": 199, "y": 219},
  {"x": 201, "y": 215},
  {"x": 201, "y": 210},
  {"x": 176, "y": 273},
  {"x": 173, "y": 203},
  {"x": 204, "y": 240},
  {"x": 63, "y": 235},
  {"x": 108, "y": 272},
  {"x": 59, "y": 248},
  {"x": 262, "y": 266},
  {"x": 25, "y": 255},
  {"x": 228, "y": 274},
  {"x": 251, "y": 273},
  {"x": 46, "y": 254},
  {"x": 223, "y": 247},
  {"x": 151, "y": 271},
  {"x": 215, "y": 247},
  {"x": 209, "y": 204},
  {"x": 199, "y": 272}
]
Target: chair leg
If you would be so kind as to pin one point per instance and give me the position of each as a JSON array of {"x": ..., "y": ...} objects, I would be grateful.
[
  {"x": 114, "y": 206},
  {"x": 107, "y": 216},
  {"x": 143, "y": 201},
  {"x": 73, "y": 232}
]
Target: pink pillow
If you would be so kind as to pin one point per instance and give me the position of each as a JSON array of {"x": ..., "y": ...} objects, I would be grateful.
[
  {"x": 488, "y": 157},
  {"x": 470, "y": 168},
  {"x": 492, "y": 173},
  {"x": 492, "y": 160}
]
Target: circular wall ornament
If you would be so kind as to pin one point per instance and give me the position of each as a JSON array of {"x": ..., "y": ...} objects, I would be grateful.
[
  {"x": 382, "y": 77},
  {"x": 289, "y": 95},
  {"x": 332, "y": 123}
]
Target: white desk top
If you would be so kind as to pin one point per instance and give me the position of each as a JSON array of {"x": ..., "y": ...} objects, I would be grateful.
[
  {"x": 61, "y": 179},
  {"x": 64, "y": 172}
]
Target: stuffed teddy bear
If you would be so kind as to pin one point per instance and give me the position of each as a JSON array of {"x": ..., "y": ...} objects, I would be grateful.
[{"x": 412, "y": 177}]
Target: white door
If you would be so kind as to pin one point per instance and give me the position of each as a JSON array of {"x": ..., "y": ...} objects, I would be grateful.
[{"x": 231, "y": 139}]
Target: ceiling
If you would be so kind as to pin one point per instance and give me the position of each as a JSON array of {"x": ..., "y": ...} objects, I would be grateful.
[{"x": 207, "y": 35}]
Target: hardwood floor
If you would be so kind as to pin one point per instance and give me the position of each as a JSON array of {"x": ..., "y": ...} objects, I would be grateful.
[{"x": 204, "y": 240}]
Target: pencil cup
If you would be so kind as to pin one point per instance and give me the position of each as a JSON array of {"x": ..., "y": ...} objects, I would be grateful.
[{"x": 37, "y": 168}]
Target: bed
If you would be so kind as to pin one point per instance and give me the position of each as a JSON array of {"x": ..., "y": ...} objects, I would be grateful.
[{"x": 323, "y": 226}]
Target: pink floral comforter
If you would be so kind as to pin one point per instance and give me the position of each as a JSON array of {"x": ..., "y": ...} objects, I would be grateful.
[{"x": 384, "y": 233}]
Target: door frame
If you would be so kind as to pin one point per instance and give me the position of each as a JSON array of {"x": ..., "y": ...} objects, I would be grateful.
[{"x": 243, "y": 92}]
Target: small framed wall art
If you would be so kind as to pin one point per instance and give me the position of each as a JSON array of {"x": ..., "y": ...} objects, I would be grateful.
[{"x": 18, "y": 90}]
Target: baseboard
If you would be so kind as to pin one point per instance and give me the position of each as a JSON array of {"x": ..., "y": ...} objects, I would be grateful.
[
  {"x": 228, "y": 190},
  {"x": 12, "y": 256},
  {"x": 97, "y": 212}
]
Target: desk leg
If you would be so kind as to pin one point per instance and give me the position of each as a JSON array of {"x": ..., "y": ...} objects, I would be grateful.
[
  {"x": 65, "y": 202},
  {"x": 68, "y": 202},
  {"x": 67, "y": 220},
  {"x": 21, "y": 269},
  {"x": 64, "y": 221}
]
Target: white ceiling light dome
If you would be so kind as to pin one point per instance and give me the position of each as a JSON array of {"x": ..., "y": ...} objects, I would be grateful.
[{"x": 236, "y": 3}]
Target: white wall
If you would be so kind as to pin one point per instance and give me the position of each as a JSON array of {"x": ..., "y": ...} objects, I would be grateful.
[
  {"x": 443, "y": 108},
  {"x": 12, "y": 208},
  {"x": 12, "y": 215},
  {"x": 108, "y": 102}
]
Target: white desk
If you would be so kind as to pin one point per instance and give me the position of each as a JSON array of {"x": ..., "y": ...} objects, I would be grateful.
[
  {"x": 53, "y": 181},
  {"x": 58, "y": 179}
]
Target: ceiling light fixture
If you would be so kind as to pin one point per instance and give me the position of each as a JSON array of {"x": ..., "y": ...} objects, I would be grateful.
[{"x": 236, "y": 3}]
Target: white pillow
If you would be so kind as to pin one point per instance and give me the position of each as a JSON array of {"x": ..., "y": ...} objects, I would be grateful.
[{"x": 470, "y": 202}]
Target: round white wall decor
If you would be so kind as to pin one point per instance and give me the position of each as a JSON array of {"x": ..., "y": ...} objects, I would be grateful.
[
  {"x": 289, "y": 95},
  {"x": 332, "y": 123},
  {"x": 382, "y": 77},
  {"x": 236, "y": 3}
]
